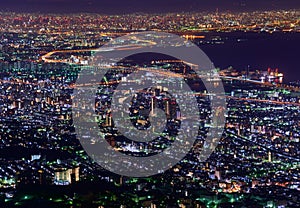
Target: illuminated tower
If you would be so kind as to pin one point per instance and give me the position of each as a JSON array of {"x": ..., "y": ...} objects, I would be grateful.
[
  {"x": 152, "y": 106},
  {"x": 248, "y": 69},
  {"x": 167, "y": 108},
  {"x": 107, "y": 120},
  {"x": 178, "y": 114},
  {"x": 269, "y": 156}
]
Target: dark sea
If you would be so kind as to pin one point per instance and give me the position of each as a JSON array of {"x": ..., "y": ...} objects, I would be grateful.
[{"x": 258, "y": 50}]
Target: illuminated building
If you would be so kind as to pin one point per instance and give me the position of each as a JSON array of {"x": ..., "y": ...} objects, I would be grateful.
[{"x": 66, "y": 176}]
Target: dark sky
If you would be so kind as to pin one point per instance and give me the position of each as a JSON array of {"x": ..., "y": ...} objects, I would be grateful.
[{"x": 150, "y": 6}]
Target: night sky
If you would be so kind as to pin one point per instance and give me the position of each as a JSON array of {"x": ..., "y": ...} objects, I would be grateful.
[{"x": 151, "y": 6}]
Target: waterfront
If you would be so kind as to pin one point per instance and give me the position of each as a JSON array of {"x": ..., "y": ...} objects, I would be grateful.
[
  {"x": 259, "y": 50},
  {"x": 256, "y": 162}
]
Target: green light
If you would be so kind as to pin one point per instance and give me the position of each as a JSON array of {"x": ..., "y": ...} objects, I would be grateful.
[{"x": 58, "y": 200}]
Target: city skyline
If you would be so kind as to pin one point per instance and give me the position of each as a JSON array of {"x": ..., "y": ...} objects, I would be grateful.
[
  {"x": 156, "y": 6},
  {"x": 190, "y": 106}
]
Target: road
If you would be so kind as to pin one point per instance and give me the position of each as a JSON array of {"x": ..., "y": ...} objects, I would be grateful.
[{"x": 47, "y": 58}]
